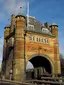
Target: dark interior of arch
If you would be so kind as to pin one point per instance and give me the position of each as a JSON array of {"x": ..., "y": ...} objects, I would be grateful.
[{"x": 40, "y": 61}]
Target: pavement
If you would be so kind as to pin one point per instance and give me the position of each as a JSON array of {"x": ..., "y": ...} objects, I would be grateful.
[{"x": 10, "y": 82}]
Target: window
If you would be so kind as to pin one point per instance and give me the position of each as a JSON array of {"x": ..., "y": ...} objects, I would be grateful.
[
  {"x": 30, "y": 27},
  {"x": 45, "y": 30}
]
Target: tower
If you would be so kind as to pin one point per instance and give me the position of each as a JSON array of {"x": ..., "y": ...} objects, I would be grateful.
[
  {"x": 6, "y": 33},
  {"x": 19, "y": 48},
  {"x": 54, "y": 30}
]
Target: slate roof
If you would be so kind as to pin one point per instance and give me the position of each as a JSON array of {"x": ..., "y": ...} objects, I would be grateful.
[{"x": 38, "y": 27}]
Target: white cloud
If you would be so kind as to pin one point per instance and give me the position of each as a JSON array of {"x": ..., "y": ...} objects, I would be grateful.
[
  {"x": 9, "y": 7},
  {"x": 13, "y": 6}
]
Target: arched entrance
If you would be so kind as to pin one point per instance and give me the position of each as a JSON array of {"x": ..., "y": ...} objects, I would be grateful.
[{"x": 41, "y": 66}]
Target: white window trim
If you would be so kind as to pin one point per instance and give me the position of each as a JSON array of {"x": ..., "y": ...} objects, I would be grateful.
[{"x": 30, "y": 27}]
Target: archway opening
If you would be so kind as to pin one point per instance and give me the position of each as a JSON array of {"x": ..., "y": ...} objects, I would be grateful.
[{"x": 41, "y": 65}]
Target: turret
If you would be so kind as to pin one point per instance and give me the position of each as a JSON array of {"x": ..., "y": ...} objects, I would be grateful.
[
  {"x": 20, "y": 25},
  {"x": 54, "y": 29},
  {"x": 6, "y": 31},
  {"x": 20, "y": 19},
  {"x": 19, "y": 47}
]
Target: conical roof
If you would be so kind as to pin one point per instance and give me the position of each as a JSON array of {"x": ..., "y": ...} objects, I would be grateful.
[
  {"x": 7, "y": 26},
  {"x": 53, "y": 24},
  {"x": 20, "y": 15}
]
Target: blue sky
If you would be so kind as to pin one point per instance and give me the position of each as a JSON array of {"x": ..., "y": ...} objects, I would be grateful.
[{"x": 43, "y": 10}]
